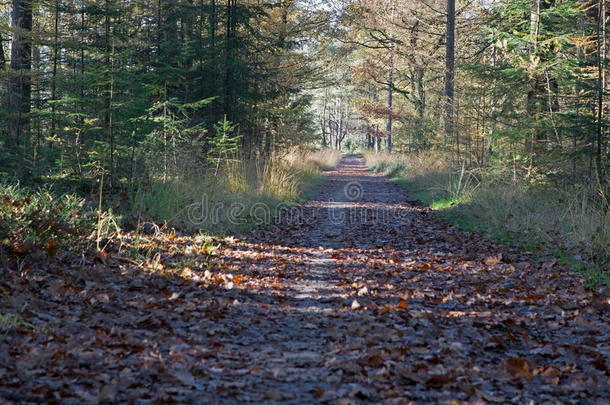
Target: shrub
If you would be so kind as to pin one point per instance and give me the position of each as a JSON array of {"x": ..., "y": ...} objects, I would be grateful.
[{"x": 35, "y": 222}]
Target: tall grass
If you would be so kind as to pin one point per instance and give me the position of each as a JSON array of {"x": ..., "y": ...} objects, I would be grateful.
[
  {"x": 565, "y": 221},
  {"x": 228, "y": 199},
  {"x": 323, "y": 159}
]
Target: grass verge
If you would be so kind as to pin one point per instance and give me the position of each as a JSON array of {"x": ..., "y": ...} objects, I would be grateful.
[
  {"x": 238, "y": 197},
  {"x": 567, "y": 223},
  {"x": 37, "y": 224}
]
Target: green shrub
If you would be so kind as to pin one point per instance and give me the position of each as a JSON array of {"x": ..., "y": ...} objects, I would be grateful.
[{"x": 35, "y": 222}]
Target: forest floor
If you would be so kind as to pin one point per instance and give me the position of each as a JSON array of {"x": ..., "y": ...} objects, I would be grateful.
[{"x": 361, "y": 296}]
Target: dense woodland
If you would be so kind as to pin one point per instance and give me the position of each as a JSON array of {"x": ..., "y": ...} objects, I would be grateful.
[
  {"x": 134, "y": 88},
  {"x": 142, "y": 107},
  {"x": 517, "y": 82},
  {"x": 127, "y": 87},
  {"x": 292, "y": 201}
]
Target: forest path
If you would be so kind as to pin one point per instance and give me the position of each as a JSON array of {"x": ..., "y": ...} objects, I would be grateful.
[
  {"x": 374, "y": 299},
  {"x": 358, "y": 296}
]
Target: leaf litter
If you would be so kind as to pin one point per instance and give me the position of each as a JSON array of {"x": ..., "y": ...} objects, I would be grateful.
[{"x": 361, "y": 310}]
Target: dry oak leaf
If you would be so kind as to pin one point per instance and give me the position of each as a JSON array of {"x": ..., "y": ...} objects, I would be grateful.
[
  {"x": 518, "y": 367},
  {"x": 51, "y": 247},
  {"x": 493, "y": 260}
]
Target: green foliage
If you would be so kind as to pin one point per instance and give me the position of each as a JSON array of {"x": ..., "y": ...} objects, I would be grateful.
[
  {"x": 10, "y": 322},
  {"x": 37, "y": 222},
  {"x": 224, "y": 144},
  {"x": 136, "y": 87}
]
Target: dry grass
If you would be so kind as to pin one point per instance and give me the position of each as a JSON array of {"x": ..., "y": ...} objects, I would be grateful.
[
  {"x": 323, "y": 159},
  {"x": 567, "y": 222},
  {"x": 234, "y": 176},
  {"x": 280, "y": 181},
  {"x": 285, "y": 178}
]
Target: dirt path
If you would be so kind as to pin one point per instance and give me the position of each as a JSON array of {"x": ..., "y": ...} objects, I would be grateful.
[{"x": 362, "y": 297}]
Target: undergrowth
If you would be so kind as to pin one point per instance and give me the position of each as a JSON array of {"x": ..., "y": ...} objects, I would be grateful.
[
  {"x": 239, "y": 196},
  {"x": 39, "y": 223},
  {"x": 566, "y": 222}
]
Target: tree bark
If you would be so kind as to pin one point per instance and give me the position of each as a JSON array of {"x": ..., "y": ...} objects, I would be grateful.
[
  {"x": 109, "y": 91},
  {"x": 55, "y": 66},
  {"x": 229, "y": 59},
  {"x": 601, "y": 87},
  {"x": 2, "y": 56},
  {"x": 20, "y": 82},
  {"x": 450, "y": 77},
  {"x": 390, "y": 122}
]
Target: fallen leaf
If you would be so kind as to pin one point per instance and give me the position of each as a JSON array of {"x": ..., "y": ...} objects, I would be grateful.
[
  {"x": 493, "y": 260},
  {"x": 518, "y": 367},
  {"x": 402, "y": 305}
]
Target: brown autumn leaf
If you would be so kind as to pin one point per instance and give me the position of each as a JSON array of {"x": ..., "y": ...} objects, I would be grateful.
[
  {"x": 372, "y": 360},
  {"x": 493, "y": 260},
  {"x": 386, "y": 309},
  {"x": 318, "y": 393},
  {"x": 51, "y": 247},
  {"x": 518, "y": 367},
  {"x": 440, "y": 379},
  {"x": 21, "y": 248},
  {"x": 103, "y": 256}
]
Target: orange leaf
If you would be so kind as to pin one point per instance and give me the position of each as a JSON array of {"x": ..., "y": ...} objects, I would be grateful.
[
  {"x": 385, "y": 310},
  {"x": 319, "y": 393},
  {"x": 402, "y": 305},
  {"x": 21, "y": 248},
  {"x": 493, "y": 260},
  {"x": 51, "y": 247}
]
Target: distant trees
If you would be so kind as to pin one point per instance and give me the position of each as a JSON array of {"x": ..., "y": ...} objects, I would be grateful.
[
  {"x": 337, "y": 119},
  {"x": 519, "y": 83},
  {"x": 86, "y": 83},
  {"x": 450, "y": 76}
]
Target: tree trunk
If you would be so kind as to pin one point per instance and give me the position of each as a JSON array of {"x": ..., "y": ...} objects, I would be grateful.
[
  {"x": 109, "y": 91},
  {"x": 324, "y": 123},
  {"x": 229, "y": 59},
  {"x": 377, "y": 139},
  {"x": 2, "y": 56},
  {"x": 213, "y": 20},
  {"x": 601, "y": 86},
  {"x": 390, "y": 121},
  {"x": 450, "y": 77},
  {"x": 55, "y": 65},
  {"x": 20, "y": 84}
]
